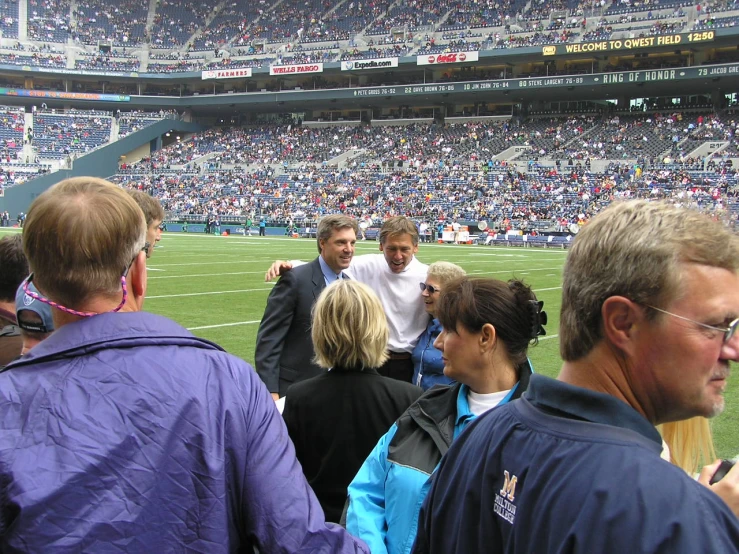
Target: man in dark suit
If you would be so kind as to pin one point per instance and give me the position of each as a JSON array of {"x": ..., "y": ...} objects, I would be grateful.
[{"x": 284, "y": 353}]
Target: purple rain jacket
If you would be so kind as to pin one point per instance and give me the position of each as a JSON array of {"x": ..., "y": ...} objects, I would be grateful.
[{"x": 123, "y": 432}]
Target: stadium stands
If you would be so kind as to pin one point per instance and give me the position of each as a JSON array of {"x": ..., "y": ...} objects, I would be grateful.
[
  {"x": 282, "y": 172},
  {"x": 564, "y": 168},
  {"x": 58, "y": 136}
]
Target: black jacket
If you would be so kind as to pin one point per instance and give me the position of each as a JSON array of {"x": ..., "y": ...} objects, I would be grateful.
[
  {"x": 284, "y": 351},
  {"x": 335, "y": 420},
  {"x": 426, "y": 429}
]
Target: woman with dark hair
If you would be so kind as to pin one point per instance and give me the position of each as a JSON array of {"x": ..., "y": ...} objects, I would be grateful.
[{"x": 487, "y": 328}]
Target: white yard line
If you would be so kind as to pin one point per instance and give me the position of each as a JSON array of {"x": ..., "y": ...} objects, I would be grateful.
[
  {"x": 204, "y": 274},
  {"x": 512, "y": 270},
  {"x": 223, "y": 325},
  {"x": 206, "y": 293}
]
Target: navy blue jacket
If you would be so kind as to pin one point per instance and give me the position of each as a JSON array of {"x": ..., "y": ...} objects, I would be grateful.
[{"x": 565, "y": 470}]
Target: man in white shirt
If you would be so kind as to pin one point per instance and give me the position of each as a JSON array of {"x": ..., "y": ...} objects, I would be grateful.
[
  {"x": 422, "y": 228},
  {"x": 394, "y": 275},
  {"x": 456, "y": 228}
]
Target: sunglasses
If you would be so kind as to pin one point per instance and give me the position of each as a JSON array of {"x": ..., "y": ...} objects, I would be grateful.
[{"x": 430, "y": 288}]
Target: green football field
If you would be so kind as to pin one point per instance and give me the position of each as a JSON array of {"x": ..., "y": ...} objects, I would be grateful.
[{"x": 215, "y": 287}]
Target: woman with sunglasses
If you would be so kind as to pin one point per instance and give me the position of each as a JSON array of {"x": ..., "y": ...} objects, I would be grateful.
[
  {"x": 428, "y": 367},
  {"x": 487, "y": 328}
]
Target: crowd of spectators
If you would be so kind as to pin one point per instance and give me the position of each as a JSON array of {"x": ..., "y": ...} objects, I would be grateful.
[
  {"x": 107, "y": 62},
  {"x": 119, "y": 21},
  {"x": 49, "y": 20},
  {"x": 175, "y": 21},
  {"x": 425, "y": 170},
  {"x": 436, "y": 172},
  {"x": 239, "y": 31},
  {"x": 36, "y": 59},
  {"x": 130, "y": 122},
  {"x": 62, "y": 136}
]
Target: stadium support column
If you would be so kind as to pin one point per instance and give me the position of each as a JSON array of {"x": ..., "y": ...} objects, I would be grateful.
[{"x": 718, "y": 99}]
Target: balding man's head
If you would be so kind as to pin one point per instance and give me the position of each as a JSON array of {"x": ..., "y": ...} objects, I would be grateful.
[{"x": 80, "y": 237}]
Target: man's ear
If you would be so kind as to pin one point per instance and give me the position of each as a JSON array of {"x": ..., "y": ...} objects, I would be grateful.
[
  {"x": 621, "y": 320},
  {"x": 136, "y": 280}
]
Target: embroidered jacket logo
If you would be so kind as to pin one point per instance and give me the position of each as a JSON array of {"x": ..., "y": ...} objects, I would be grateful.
[
  {"x": 509, "y": 488},
  {"x": 504, "y": 506}
]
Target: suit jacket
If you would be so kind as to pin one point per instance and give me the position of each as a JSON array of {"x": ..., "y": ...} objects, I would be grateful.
[
  {"x": 284, "y": 350},
  {"x": 335, "y": 420}
]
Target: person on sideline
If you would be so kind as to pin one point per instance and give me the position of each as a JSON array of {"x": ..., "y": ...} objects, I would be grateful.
[
  {"x": 688, "y": 444},
  {"x": 394, "y": 276},
  {"x": 34, "y": 317},
  {"x": 650, "y": 307},
  {"x": 487, "y": 328},
  {"x": 428, "y": 367},
  {"x": 13, "y": 269},
  {"x": 123, "y": 431},
  {"x": 335, "y": 419},
  {"x": 284, "y": 352}
]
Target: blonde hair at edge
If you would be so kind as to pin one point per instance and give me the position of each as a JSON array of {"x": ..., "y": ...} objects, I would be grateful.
[
  {"x": 349, "y": 327},
  {"x": 690, "y": 443},
  {"x": 80, "y": 236},
  {"x": 444, "y": 272}
]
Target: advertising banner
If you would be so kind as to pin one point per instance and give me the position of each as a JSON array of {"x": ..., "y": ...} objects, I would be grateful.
[
  {"x": 447, "y": 57},
  {"x": 300, "y": 68},
  {"x": 236, "y": 73},
  {"x": 378, "y": 63}
]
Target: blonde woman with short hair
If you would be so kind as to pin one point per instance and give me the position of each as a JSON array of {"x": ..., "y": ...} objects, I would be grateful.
[{"x": 335, "y": 419}]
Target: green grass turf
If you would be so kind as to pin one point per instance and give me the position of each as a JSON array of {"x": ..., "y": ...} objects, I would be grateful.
[{"x": 215, "y": 287}]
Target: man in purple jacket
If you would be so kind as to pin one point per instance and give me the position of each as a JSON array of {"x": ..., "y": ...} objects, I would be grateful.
[{"x": 122, "y": 431}]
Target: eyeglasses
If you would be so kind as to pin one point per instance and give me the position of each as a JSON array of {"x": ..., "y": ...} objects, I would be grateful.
[
  {"x": 146, "y": 248},
  {"x": 727, "y": 331},
  {"x": 430, "y": 288}
]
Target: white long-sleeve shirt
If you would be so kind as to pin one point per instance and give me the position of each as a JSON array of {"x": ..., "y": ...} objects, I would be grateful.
[{"x": 400, "y": 296}]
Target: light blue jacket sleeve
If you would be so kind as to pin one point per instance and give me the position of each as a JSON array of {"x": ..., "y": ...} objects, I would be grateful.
[{"x": 365, "y": 517}]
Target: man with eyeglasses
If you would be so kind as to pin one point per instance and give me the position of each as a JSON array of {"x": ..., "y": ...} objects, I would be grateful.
[
  {"x": 647, "y": 332},
  {"x": 154, "y": 215},
  {"x": 124, "y": 432}
]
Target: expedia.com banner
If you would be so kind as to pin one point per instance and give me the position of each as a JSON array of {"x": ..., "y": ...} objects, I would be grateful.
[
  {"x": 447, "y": 57},
  {"x": 378, "y": 63},
  {"x": 300, "y": 68}
]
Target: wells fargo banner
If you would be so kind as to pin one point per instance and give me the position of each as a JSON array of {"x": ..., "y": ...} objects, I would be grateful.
[
  {"x": 236, "y": 73},
  {"x": 447, "y": 57},
  {"x": 299, "y": 68}
]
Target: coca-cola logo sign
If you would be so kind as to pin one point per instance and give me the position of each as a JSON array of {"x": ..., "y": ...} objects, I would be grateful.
[{"x": 451, "y": 57}]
